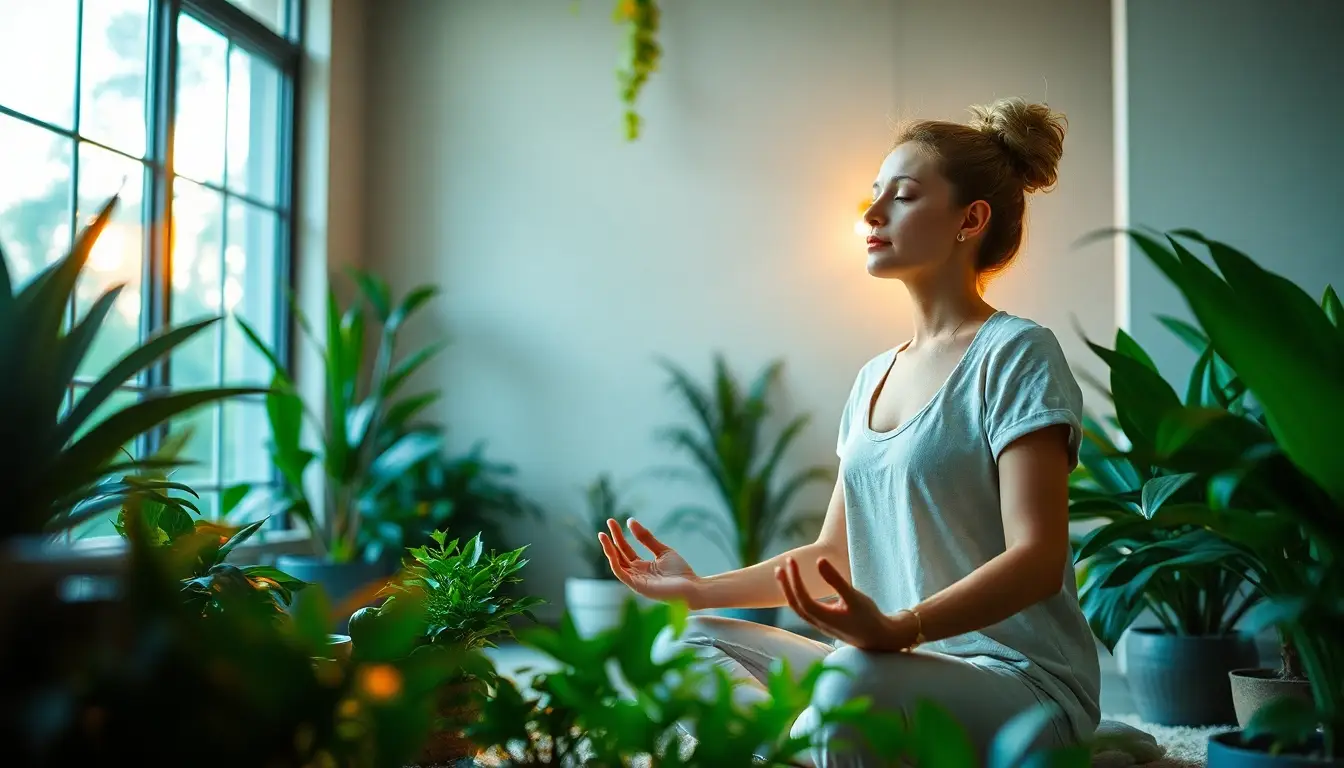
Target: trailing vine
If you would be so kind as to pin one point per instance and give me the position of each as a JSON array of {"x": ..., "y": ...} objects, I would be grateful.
[{"x": 641, "y": 18}]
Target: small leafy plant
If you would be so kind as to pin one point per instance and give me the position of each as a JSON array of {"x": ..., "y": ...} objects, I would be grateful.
[{"x": 465, "y": 591}]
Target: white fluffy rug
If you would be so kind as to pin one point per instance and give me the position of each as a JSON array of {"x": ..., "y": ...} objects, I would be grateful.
[{"x": 1185, "y": 747}]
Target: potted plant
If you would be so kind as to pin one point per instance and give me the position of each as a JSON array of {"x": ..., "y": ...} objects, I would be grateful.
[
  {"x": 72, "y": 466},
  {"x": 362, "y": 446},
  {"x": 1177, "y": 671},
  {"x": 726, "y": 445},
  {"x": 469, "y": 493},
  {"x": 1279, "y": 479},
  {"x": 465, "y": 610},
  {"x": 595, "y": 601}
]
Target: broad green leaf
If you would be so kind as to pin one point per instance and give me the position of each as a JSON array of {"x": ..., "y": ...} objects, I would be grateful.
[
  {"x": 411, "y": 449},
  {"x": 1159, "y": 489},
  {"x": 412, "y": 302},
  {"x": 375, "y": 291},
  {"x": 1127, "y": 346},
  {"x": 1142, "y": 397}
]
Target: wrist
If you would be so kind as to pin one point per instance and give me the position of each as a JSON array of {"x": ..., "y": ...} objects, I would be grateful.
[{"x": 907, "y": 630}]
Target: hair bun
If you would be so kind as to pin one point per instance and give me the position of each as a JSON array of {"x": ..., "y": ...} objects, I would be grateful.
[{"x": 1032, "y": 135}]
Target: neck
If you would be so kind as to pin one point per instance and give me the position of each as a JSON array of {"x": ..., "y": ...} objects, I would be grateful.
[{"x": 944, "y": 303}]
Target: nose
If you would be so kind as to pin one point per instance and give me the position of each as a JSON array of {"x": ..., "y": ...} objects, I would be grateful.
[{"x": 874, "y": 217}]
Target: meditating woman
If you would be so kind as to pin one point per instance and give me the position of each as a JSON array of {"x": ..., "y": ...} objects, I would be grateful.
[{"x": 943, "y": 569}]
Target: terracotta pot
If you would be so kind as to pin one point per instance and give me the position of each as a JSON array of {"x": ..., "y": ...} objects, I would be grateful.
[{"x": 448, "y": 744}]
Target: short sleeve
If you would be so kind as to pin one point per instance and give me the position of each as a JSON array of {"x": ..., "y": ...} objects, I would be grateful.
[{"x": 1029, "y": 386}]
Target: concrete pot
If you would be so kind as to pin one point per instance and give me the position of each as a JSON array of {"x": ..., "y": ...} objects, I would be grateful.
[
  {"x": 1183, "y": 680},
  {"x": 1254, "y": 688},
  {"x": 595, "y": 605},
  {"x": 340, "y": 581}
]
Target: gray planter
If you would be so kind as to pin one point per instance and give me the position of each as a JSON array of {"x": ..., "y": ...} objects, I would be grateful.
[
  {"x": 340, "y": 581},
  {"x": 1183, "y": 680},
  {"x": 1226, "y": 750},
  {"x": 1254, "y": 688}
]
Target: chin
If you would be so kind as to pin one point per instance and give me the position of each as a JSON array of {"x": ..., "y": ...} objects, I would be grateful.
[{"x": 886, "y": 266}]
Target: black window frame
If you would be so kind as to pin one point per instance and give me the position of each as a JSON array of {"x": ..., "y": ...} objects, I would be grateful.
[{"x": 285, "y": 53}]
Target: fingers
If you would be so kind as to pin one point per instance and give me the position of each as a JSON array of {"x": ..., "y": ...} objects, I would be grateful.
[
  {"x": 613, "y": 552},
  {"x": 627, "y": 551},
  {"x": 797, "y": 596},
  {"x": 836, "y": 579},
  {"x": 646, "y": 537}
]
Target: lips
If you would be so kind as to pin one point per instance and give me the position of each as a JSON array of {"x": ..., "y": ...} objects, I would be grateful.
[{"x": 875, "y": 242}]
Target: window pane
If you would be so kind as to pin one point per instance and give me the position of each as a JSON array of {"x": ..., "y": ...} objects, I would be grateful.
[
  {"x": 37, "y": 58},
  {"x": 198, "y": 231},
  {"x": 200, "y": 447},
  {"x": 250, "y": 291},
  {"x": 34, "y": 198},
  {"x": 246, "y": 432},
  {"x": 272, "y": 13},
  {"x": 115, "y": 58},
  {"x": 118, "y": 256},
  {"x": 202, "y": 98},
  {"x": 254, "y": 127}
]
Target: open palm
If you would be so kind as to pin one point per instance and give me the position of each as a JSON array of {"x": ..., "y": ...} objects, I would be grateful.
[{"x": 666, "y": 577}]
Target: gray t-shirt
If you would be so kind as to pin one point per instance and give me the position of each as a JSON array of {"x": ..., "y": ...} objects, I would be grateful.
[{"x": 922, "y": 502}]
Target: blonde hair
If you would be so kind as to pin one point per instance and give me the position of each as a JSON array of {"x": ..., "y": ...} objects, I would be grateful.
[{"x": 1008, "y": 149}]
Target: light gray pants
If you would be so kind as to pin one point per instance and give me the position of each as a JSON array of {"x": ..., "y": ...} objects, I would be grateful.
[{"x": 982, "y": 698}]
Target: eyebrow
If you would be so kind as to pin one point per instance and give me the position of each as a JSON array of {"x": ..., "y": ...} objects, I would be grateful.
[{"x": 877, "y": 185}]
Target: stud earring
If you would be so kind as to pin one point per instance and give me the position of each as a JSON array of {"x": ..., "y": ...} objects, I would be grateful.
[{"x": 961, "y": 237}]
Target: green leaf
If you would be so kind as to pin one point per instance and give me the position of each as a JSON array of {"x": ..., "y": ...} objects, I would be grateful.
[
  {"x": 1290, "y": 720},
  {"x": 232, "y": 496},
  {"x": 134, "y": 361},
  {"x": 411, "y": 449},
  {"x": 940, "y": 740},
  {"x": 1159, "y": 489},
  {"x": 1013, "y": 741},
  {"x": 412, "y": 302},
  {"x": 81, "y": 462},
  {"x": 1142, "y": 396},
  {"x": 238, "y": 538},
  {"x": 1334, "y": 310},
  {"x": 375, "y": 291},
  {"x": 1127, "y": 346}
]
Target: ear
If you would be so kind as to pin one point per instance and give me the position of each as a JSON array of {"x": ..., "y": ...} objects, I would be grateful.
[{"x": 976, "y": 219}]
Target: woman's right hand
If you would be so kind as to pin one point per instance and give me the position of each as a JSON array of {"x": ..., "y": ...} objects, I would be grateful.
[{"x": 667, "y": 577}]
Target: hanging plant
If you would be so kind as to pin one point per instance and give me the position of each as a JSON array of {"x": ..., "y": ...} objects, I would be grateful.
[{"x": 641, "y": 19}]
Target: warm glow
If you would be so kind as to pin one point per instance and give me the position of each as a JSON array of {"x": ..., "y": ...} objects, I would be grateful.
[
  {"x": 109, "y": 250},
  {"x": 861, "y": 227},
  {"x": 381, "y": 682}
]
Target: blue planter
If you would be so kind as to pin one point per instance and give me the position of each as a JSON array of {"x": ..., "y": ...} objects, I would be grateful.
[
  {"x": 1226, "y": 750},
  {"x": 1183, "y": 680}
]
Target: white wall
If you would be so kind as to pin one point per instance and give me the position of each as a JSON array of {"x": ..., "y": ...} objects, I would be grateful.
[
  {"x": 1234, "y": 129},
  {"x": 569, "y": 259}
]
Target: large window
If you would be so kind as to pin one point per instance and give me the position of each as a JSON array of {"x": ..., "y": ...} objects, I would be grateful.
[{"x": 185, "y": 107}]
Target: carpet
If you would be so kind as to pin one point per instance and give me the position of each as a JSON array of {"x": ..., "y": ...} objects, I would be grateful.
[{"x": 1185, "y": 747}]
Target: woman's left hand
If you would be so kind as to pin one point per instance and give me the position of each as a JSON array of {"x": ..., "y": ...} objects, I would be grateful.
[{"x": 853, "y": 618}]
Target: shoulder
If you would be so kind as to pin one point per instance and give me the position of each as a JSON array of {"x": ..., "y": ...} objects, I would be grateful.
[{"x": 1016, "y": 338}]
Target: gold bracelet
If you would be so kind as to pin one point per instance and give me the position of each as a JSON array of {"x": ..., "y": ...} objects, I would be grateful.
[{"x": 919, "y": 629}]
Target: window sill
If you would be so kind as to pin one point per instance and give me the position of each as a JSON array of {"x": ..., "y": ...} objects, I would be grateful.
[{"x": 106, "y": 554}]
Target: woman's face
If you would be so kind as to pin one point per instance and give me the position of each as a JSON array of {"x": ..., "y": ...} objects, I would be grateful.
[{"x": 912, "y": 221}]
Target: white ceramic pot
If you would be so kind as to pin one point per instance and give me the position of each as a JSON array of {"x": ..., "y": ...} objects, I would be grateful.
[{"x": 595, "y": 605}]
